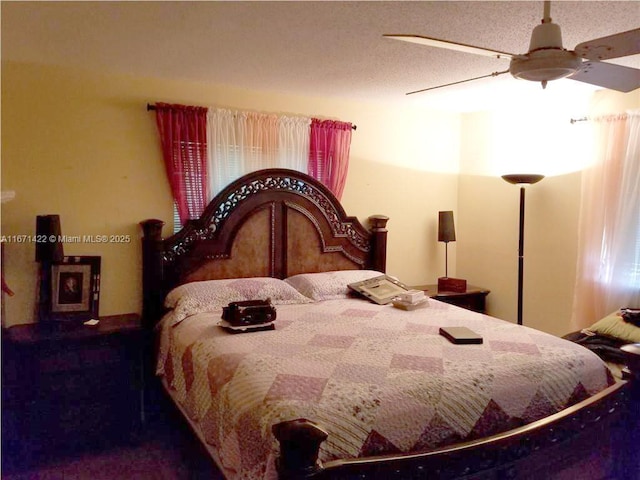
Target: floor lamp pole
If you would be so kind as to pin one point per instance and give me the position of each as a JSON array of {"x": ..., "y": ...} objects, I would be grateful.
[
  {"x": 522, "y": 180},
  {"x": 521, "y": 256}
]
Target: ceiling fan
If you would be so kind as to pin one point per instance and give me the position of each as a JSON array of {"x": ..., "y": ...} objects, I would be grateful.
[{"x": 547, "y": 60}]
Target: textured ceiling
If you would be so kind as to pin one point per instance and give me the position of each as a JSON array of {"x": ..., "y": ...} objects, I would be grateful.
[{"x": 326, "y": 49}]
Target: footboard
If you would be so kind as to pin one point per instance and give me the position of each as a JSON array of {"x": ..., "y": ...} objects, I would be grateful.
[{"x": 595, "y": 438}]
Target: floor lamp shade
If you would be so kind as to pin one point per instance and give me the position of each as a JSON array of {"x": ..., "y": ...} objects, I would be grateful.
[
  {"x": 446, "y": 228},
  {"x": 49, "y": 242}
]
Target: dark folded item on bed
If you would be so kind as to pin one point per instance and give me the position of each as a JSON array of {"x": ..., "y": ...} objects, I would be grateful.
[
  {"x": 249, "y": 313},
  {"x": 631, "y": 315},
  {"x": 606, "y": 348}
]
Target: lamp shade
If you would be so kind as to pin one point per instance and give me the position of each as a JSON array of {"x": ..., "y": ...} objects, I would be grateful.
[
  {"x": 446, "y": 229},
  {"x": 48, "y": 239},
  {"x": 522, "y": 178}
]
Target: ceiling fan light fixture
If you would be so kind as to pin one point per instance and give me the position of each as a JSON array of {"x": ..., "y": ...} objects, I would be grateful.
[{"x": 545, "y": 65}]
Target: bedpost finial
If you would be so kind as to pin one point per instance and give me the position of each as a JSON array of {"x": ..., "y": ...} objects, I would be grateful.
[
  {"x": 300, "y": 441},
  {"x": 152, "y": 228},
  {"x": 378, "y": 222}
]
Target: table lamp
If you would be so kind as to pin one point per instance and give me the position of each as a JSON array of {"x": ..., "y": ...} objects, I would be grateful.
[{"x": 446, "y": 234}]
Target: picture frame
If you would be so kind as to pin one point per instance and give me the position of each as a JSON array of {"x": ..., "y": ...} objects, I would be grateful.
[
  {"x": 381, "y": 290},
  {"x": 75, "y": 289}
]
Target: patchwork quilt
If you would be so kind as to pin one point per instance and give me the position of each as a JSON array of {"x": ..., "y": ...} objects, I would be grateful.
[{"x": 378, "y": 379}]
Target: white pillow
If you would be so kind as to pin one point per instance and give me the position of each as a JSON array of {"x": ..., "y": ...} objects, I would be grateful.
[
  {"x": 209, "y": 295},
  {"x": 329, "y": 285}
]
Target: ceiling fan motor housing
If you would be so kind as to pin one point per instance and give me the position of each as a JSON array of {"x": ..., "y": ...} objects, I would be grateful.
[
  {"x": 546, "y": 60},
  {"x": 545, "y": 35}
]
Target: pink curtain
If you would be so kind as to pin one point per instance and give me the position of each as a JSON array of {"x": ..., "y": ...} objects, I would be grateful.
[
  {"x": 329, "y": 153},
  {"x": 183, "y": 136},
  {"x": 608, "y": 268}
]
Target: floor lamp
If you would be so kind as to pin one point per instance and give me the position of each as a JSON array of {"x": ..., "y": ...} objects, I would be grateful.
[{"x": 522, "y": 179}]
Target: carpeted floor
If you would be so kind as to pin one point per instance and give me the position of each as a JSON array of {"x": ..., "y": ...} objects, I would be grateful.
[{"x": 165, "y": 450}]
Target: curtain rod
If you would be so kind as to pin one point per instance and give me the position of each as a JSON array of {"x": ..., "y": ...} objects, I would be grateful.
[
  {"x": 153, "y": 107},
  {"x": 575, "y": 120}
]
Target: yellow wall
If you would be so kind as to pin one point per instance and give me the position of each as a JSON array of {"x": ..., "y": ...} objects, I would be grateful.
[
  {"x": 508, "y": 141},
  {"x": 82, "y": 145}
]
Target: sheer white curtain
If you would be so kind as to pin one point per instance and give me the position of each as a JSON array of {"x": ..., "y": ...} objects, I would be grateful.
[
  {"x": 241, "y": 142},
  {"x": 223, "y": 143},
  {"x": 608, "y": 270},
  {"x": 293, "y": 142}
]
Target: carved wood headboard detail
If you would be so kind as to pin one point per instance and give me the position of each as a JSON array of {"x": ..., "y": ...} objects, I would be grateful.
[{"x": 269, "y": 223}]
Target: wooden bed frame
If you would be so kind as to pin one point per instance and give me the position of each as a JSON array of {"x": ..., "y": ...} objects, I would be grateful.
[{"x": 280, "y": 223}]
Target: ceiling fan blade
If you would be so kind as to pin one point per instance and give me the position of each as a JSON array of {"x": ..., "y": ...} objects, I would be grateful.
[
  {"x": 613, "y": 46},
  {"x": 608, "y": 75},
  {"x": 460, "y": 47},
  {"x": 494, "y": 74}
]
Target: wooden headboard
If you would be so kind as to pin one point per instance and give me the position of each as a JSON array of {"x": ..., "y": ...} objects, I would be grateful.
[{"x": 269, "y": 223}]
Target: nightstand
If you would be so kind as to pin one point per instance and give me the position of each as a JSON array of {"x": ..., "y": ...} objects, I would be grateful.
[
  {"x": 71, "y": 387},
  {"x": 473, "y": 299}
]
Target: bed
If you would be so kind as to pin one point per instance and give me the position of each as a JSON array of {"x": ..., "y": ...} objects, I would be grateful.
[{"x": 346, "y": 388}]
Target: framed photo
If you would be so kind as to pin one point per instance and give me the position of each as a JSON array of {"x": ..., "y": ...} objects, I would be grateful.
[
  {"x": 380, "y": 289},
  {"x": 75, "y": 289}
]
